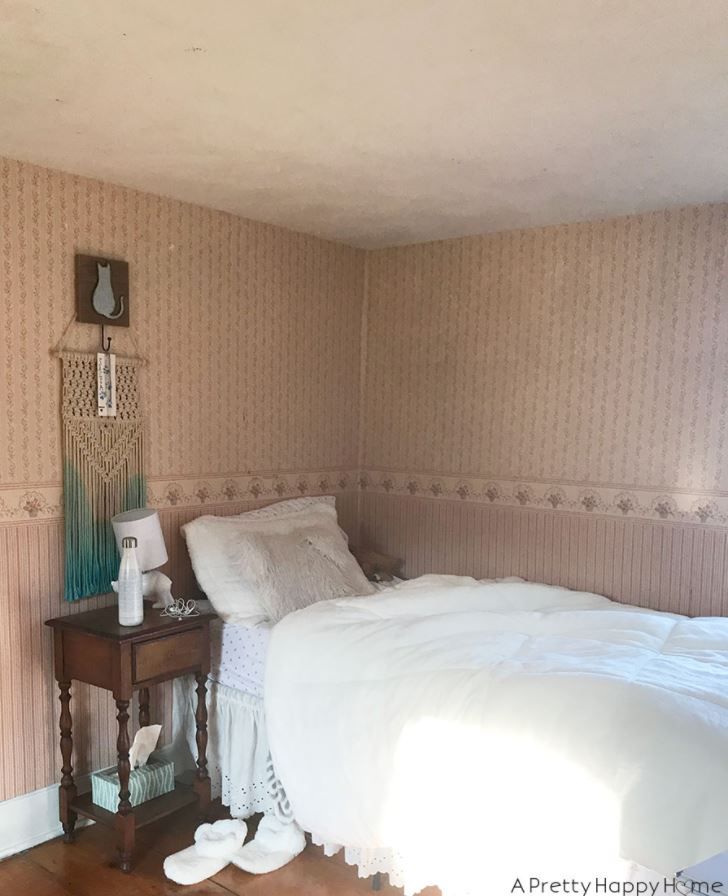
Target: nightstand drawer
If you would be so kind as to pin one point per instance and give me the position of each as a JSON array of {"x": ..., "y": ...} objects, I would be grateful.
[{"x": 169, "y": 656}]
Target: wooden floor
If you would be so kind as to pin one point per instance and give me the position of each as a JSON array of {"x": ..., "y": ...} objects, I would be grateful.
[{"x": 85, "y": 868}]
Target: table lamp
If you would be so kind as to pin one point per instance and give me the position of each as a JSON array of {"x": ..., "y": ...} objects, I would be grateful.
[{"x": 143, "y": 524}]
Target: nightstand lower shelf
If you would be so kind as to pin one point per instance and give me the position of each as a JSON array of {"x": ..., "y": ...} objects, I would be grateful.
[{"x": 145, "y": 813}]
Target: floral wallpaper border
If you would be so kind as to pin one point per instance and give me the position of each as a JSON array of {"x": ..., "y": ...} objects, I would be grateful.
[
  {"x": 24, "y": 503},
  {"x": 635, "y": 503},
  {"x": 45, "y": 502},
  {"x": 248, "y": 487}
]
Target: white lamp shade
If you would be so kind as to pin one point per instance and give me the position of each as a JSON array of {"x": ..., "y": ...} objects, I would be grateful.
[{"x": 142, "y": 524}]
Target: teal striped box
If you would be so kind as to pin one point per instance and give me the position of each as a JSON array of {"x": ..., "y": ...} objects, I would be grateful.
[{"x": 146, "y": 782}]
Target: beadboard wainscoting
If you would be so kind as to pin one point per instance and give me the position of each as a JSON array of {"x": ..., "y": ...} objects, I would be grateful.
[
  {"x": 29, "y": 753},
  {"x": 676, "y": 567},
  {"x": 31, "y": 582}
]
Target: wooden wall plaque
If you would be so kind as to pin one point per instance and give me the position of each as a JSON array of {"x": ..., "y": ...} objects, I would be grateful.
[{"x": 102, "y": 291}]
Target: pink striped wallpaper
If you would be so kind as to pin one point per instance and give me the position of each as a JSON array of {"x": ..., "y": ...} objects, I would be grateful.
[
  {"x": 553, "y": 403},
  {"x": 591, "y": 356}
]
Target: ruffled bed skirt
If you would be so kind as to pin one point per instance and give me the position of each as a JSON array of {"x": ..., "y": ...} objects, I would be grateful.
[
  {"x": 369, "y": 861},
  {"x": 392, "y": 863},
  {"x": 241, "y": 770},
  {"x": 238, "y": 757}
]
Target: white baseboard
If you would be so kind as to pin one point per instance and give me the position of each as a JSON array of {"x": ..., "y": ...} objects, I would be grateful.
[
  {"x": 28, "y": 820},
  {"x": 32, "y": 818}
]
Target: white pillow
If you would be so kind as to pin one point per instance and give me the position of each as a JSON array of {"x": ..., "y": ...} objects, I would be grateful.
[
  {"x": 246, "y": 578},
  {"x": 283, "y": 508}
]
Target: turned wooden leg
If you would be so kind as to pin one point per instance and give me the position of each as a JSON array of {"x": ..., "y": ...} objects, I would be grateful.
[
  {"x": 125, "y": 815},
  {"x": 67, "y": 792},
  {"x": 202, "y": 779},
  {"x": 143, "y": 707}
]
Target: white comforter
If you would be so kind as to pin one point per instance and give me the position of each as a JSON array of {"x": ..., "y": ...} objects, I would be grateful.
[{"x": 509, "y": 729}]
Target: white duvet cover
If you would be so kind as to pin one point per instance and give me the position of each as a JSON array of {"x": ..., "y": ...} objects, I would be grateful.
[{"x": 488, "y": 732}]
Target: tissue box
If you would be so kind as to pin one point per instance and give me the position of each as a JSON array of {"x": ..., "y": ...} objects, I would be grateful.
[{"x": 145, "y": 783}]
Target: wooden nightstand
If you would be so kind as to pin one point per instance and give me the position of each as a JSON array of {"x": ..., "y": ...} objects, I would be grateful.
[{"x": 92, "y": 647}]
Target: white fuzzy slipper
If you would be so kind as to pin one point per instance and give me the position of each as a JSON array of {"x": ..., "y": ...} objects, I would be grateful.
[
  {"x": 214, "y": 846},
  {"x": 275, "y": 844},
  {"x": 223, "y": 838}
]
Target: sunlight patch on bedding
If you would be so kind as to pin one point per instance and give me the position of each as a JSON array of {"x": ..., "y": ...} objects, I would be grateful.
[{"x": 544, "y": 815}]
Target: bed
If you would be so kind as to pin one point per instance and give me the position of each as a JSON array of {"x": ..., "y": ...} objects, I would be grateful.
[{"x": 447, "y": 728}]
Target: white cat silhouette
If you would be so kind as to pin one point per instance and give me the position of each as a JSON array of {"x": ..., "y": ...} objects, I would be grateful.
[{"x": 103, "y": 296}]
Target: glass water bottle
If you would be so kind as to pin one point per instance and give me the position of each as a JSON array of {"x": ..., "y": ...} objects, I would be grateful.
[{"x": 131, "y": 600}]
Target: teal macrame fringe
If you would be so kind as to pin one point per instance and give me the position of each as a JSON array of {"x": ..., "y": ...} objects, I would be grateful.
[
  {"x": 92, "y": 559},
  {"x": 103, "y": 470}
]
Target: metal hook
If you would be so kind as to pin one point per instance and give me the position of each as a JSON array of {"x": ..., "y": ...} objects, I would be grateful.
[{"x": 105, "y": 342}]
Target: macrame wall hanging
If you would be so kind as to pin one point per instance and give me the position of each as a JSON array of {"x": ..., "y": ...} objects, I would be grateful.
[{"x": 103, "y": 464}]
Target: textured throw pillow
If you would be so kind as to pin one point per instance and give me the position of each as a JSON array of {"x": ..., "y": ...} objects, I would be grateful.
[
  {"x": 245, "y": 577},
  {"x": 297, "y": 564}
]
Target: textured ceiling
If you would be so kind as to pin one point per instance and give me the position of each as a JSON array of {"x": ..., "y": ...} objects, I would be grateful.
[{"x": 376, "y": 122}]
